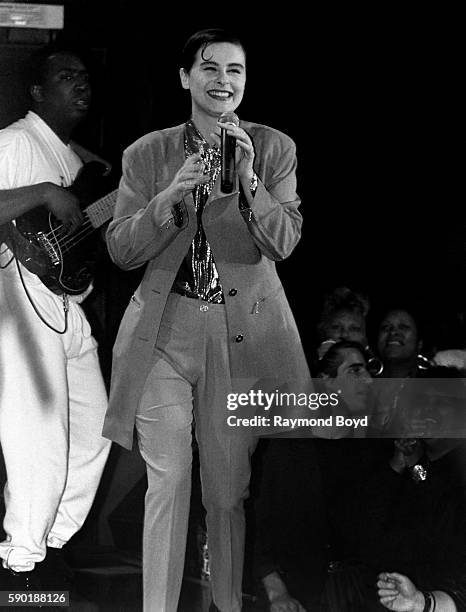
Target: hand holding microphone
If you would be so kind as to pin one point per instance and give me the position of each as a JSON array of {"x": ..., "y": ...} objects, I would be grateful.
[{"x": 237, "y": 152}]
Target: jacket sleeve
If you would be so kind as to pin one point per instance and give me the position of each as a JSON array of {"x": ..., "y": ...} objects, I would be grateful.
[
  {"x": 273, "y": 219},
  {"x": 133, "y": 237}
]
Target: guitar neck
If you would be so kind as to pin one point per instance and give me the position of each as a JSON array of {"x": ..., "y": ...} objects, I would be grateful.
[{"x": 102, "y": 210}]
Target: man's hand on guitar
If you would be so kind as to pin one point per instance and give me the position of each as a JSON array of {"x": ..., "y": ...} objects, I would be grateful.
[{"x": 64, "y": 205}]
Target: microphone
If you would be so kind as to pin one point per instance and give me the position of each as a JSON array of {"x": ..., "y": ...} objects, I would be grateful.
[{"x": 228, "y": 153}]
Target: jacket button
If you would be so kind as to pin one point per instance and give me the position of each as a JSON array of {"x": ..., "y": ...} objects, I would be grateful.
[
  {"x": 233, "y": 292},
  {"x": 239, "y": 338}
]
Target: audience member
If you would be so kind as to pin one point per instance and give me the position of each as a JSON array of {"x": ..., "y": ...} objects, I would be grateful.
[
  {"x": 399, "y": 342},
  {"x": 297, "y": 510},
  {"x": 343, "y": 317},
  {"x": 397, "y": 592},
  {"x": 431, "y": 405},
  {"x": 411, "y": 519}
]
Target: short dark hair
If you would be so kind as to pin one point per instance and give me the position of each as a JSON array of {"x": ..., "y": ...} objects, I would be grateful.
[
  {"x": 333, "y": 357},
  {"x": 36, "y": 70},
  {"x": 201, "y": 40}
]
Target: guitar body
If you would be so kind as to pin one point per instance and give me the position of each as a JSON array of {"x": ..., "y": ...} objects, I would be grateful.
[{"x": 64, "y": 262}]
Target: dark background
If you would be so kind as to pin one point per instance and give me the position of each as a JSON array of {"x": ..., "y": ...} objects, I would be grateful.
[{"x": 370, "y": 100}]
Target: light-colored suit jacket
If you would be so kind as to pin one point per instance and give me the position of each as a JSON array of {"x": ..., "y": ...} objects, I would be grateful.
[{"x": 265, "y": 348}]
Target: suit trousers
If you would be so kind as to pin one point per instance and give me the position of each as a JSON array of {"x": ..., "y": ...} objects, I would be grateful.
[
  {"x": 191, "y": 378},
  {"x": 52, "y": 405}
]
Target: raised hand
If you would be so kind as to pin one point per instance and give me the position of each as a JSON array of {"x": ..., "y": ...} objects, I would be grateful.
[{"x": 187, "y": 178}]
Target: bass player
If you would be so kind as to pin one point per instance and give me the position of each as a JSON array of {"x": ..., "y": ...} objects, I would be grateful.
[{"x": 52, "y": 395}]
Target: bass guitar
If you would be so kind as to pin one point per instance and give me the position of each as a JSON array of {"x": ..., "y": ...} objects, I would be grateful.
[{"x": 65, "y": 262}]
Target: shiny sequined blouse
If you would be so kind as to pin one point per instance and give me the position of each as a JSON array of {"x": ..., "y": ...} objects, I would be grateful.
[{"x": 198, "y": 275}]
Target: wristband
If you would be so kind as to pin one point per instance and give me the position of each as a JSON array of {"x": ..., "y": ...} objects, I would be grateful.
[{"x": 429, "y": 605}]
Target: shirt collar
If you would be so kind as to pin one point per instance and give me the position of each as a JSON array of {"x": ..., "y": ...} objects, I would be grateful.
[{"x": 195, "y": 141}]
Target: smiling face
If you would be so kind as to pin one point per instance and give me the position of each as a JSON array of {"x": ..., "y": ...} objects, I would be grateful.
[
  {"x": 346, "y": 325},
  {"x": 398, "y": 337},
  {"x": 433, "y": 408},
  {"x": 216, "y": 80}
]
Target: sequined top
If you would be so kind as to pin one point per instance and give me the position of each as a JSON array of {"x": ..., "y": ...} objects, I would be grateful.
[{"x": 197, "y": 276}]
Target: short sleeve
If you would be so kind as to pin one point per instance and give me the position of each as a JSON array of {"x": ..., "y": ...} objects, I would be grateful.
[{"x": 15, "y": 159}]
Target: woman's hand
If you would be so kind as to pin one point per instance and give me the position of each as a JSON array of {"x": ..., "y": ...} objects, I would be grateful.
[
  {"x": 190, "y": 175},
  {"x": 244, "y": 149},
  {"x": 185, "y": 180}
]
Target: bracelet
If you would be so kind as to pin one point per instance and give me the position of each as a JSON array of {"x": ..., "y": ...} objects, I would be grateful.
[
  {"x": 418, "y": 473},
  {"x": 430, "y": 603},
  {"x": 253, "y": 184},
  {"x": 244, "y": 204}
]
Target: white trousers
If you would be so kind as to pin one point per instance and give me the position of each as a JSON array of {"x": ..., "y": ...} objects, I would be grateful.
[{"x": 52, "y": 405}]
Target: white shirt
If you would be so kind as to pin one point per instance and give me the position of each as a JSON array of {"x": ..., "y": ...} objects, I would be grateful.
[{"x": 31, "y": 153}]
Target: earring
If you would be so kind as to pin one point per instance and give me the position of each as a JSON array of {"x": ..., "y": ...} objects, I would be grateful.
[
  {"x": 423, "y": 363},
  {"x": 374, "y": 364}
]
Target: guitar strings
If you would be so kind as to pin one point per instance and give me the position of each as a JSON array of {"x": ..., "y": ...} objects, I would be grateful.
[
  {"x": 71, "y": 243},
  {"x": 53, "y": 232},
  {"x": 104, "y": 202},
  {"x": 62, "y": 241},
  {"x": 66, "y": 242}
]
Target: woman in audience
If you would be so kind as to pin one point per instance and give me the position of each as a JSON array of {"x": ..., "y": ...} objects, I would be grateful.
[
  {"x": 343, "y": 317},
  {"x": 399, "y": 342}
]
